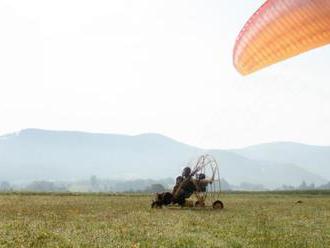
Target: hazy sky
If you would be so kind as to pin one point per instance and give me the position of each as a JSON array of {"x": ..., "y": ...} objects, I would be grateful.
[{"x": 165, "y": 66}]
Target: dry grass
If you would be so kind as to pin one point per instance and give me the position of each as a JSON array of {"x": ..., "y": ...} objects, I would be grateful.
[{"x": 248, "y": 220}]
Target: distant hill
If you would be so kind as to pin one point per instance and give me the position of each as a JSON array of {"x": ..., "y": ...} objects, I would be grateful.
[
  {"x": 34, "y": 154},
  {"x": 315, "y": 159},
  {"x": 238, "y": 169},
  {"x": 39, "y": 154}
]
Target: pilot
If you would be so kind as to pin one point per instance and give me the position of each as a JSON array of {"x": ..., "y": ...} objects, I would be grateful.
[
  {"x": 178, "y": 181},
  {"x": 184, "y": 187},
  {"x": 201, "y": 182}
]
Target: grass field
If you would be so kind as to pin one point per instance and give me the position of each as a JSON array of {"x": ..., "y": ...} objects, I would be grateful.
[{"x": 248, "y": 220}]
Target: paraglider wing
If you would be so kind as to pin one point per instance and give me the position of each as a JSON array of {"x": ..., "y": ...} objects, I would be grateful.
[{"x": 279, "y": 30}]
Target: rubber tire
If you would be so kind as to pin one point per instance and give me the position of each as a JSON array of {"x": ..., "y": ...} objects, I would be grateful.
[
  {"x": 199, "y": 204},
  {"x": 155, "y": 205},
  {"x": 218, "y": 205}
]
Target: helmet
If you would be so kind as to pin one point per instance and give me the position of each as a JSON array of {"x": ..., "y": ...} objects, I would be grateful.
[
  {"x": 179, "y": 179},
  {"x": 201, "y": 176},
  {"x": 186, "y": 172}
]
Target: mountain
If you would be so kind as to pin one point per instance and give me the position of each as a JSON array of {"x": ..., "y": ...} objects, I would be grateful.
[
  {"x": 315, "y": 159},
  {"x": 238, "y": 169},
  {"x": 34, "y": 154},
  {"x": 40, "y": 154}
]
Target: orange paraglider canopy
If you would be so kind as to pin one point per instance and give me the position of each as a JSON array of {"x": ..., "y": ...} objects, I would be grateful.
[{"x": 279, "y": 30}]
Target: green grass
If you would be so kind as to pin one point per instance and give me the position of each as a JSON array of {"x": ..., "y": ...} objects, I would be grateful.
[{"x": 98, "y": 220}]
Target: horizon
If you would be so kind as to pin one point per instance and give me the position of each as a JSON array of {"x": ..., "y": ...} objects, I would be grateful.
[
  {"x": 37, "y": 154},
  {"x": 162, "y": 135}
]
